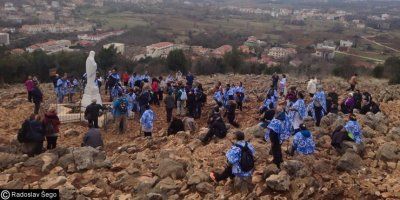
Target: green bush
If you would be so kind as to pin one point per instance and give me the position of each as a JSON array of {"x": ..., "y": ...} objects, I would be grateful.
[{"x": 378, "y": 71}]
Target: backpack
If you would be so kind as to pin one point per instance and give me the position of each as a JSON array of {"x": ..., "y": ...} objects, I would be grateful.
[
  {"x": 246, "y": 158},
  {"x": 123, "y": 108},
  {"x": 183, "y": 96},
  {"x": 21, "y": 135}
]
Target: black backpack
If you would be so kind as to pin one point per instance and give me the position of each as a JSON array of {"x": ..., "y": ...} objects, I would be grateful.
[
  {"x": 22, "y": 132},
  {"x": 246, "y": 158},
  {"x": 123, "y": 108}
]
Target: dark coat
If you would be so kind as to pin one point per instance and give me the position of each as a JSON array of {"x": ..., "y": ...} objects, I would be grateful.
[
  {"x": 93, "y": 138},
  {"x": 37, "y": 95},
  {"x": 93, "y": 111}
]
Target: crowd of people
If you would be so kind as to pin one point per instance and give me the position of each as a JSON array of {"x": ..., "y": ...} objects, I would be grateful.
[{"x": 282, "y": 114}]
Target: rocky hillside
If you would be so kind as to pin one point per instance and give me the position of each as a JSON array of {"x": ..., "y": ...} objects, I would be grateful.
[{"x": 177, "y": 167}]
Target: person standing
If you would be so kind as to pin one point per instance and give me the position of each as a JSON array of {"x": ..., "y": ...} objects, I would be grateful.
[
  {"x": 37, "y": 97},
  {"x": 239, "y": 90},
  {"x": 125, "y": 78},
  {"x": 275, "y": 130},
  {"x": 189, "y": 79},
  {"x": 29, "y": 87},
  {"x": 92, "y": 113},
  {"x": 319, "y": 105},
  {"x": 282, "y": 85},
  {"x": 62, "y": 88},
  {"x": 51, "y": 123},
  {"x": 147, "y": 121},
  {"x": 169, "y": 102},
  {"x": 298, "y": 112},
  {"x": 312, "y": 86},
  {"x": 275, "y": 80},
  {"x": 112, "y": 80},
  {"x": 144, "y": 98},
  {"x": 181, "y": 98},
  {"x": 120, "y": 112},
  {"x": 353, "y": 82}
]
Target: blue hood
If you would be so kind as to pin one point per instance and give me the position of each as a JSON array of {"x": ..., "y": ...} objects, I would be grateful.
[{"x": 306, "y": 133}]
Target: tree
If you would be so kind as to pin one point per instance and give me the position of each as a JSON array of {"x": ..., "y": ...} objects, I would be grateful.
[
  {"x": 107, "y": 58},
  {"x": 233, "y": 60},
  {"x": 392, "y": 68},
  {"x": 176, "y": 61}
]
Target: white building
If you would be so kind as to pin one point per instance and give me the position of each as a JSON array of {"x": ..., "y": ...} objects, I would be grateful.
[
  {"x": 51, "y": 46},
  {"x": 279, "y": 52},
  {"x": 120, "y": 47},
  {"x": 4, "y": 39},
  {"x": 161, "y": 49},
  {"x": 9, "y": 7},
  {"x": 346, "y": 43}
]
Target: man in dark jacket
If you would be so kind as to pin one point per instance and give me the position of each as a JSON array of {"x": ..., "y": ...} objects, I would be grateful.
[
  {"x": 92, "y": 113},
  {"x": 169, "y": 101},
  {"x": 216, "y": 126},
  {"x": 93, "y": 138},
  {"x": 175, "y": 126},
  {"x": 34, "y": 136},
  {"x": 231, "y": 113},
  {"x": 37, "y": 97},
  {"x": 144, "y": 99}
]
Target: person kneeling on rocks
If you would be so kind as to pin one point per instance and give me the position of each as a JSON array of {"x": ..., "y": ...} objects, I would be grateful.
[
  {"x": 240, "y": 158},
  {"x": 175, "y": 126},
  {"x": 303, "y": 142},
  {"x": 350, "y": 132},
  {"x": 216, "y": 126},
  {"x": 93, "y": 137}
]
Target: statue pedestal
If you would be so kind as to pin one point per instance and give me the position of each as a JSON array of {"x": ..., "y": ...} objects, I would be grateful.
[{"x": 90, "y": 94}]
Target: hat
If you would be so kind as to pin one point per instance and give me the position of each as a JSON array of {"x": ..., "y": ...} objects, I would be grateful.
[{"x": 94, "y": 100}]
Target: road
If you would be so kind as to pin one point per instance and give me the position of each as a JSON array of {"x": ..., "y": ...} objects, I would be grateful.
[
  {"x": 377, "y": 43},
  {"x": 369, "y": 58}
]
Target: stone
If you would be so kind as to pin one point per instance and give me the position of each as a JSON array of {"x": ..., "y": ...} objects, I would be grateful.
[
  {"x": 166, "y": 185},
  {"x": 295, "y": 168},
  {"x": 145, "y": 183},
  {"x": 71, "y": 133},
  {"x": 349, "y": 161},
  {"x": 89, "y": 158},
  {"x": 49, "y": 161},
  {"x": 278, "y": 182},
  {"x": 169, "y": 167},
  {"x": 303, "y": 188},
  {"x": 197, "y": 177},
  {"x": 67, "y": 191},
  {"x": 389, "y": 151},
  {"x": 394, "y": 134},
  {"x": 4, "y": 179},
  {"x": 194, "y": 144},
  {"x": 269, "y": 170},
  {"x": 50, "y": 182},
  {"x": 205, "y": 187},
  {"x": 257, "y": 131},
  {"x": 154, "y": 196},
  {"x": 8, "y": 159}
]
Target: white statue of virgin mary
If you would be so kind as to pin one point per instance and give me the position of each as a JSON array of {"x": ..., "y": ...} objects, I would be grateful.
[{"x": 91, "y": 90}]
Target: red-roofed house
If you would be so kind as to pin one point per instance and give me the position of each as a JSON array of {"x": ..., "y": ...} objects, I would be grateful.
[
  {"x": 160, "y": 49},
  {"x": 221, "y": 51}
]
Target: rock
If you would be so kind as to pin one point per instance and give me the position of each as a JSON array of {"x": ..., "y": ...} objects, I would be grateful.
[
  {"x": 50, "y": 182},
  {"x": 154, "y": 196},
  {"x": 49, "y": 161},
  {"x": 145, "y": 184},
  {"x": 197, "y": 177},
  {"x": 89, "y": 158},
  {"x": 67, "y": 191},
  {"x": 269, "y": 170},
  {"x": 166, "y": 185},
  {"x": 357, "y": 148},
  {"x": 303, "y": 188},
  {"x": 71, "y": 133},
  {"x": 257, "y": 131},
  {"x": 205, "y": 187},
  {"x": 328, "y": 120},
  {"x": 193, "y": 145},
  {"x": 295, "y": 168},
  {"x": 169, "y": 167},
  {"x": 389, "y": 151},
  {"x": 4, "y": 179},
  {"x": 8, "y": 159},
  {"x": 349, "y": 161},
  {"x": 279, "y": 182},
  {"x": 394, "y": 134}
]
